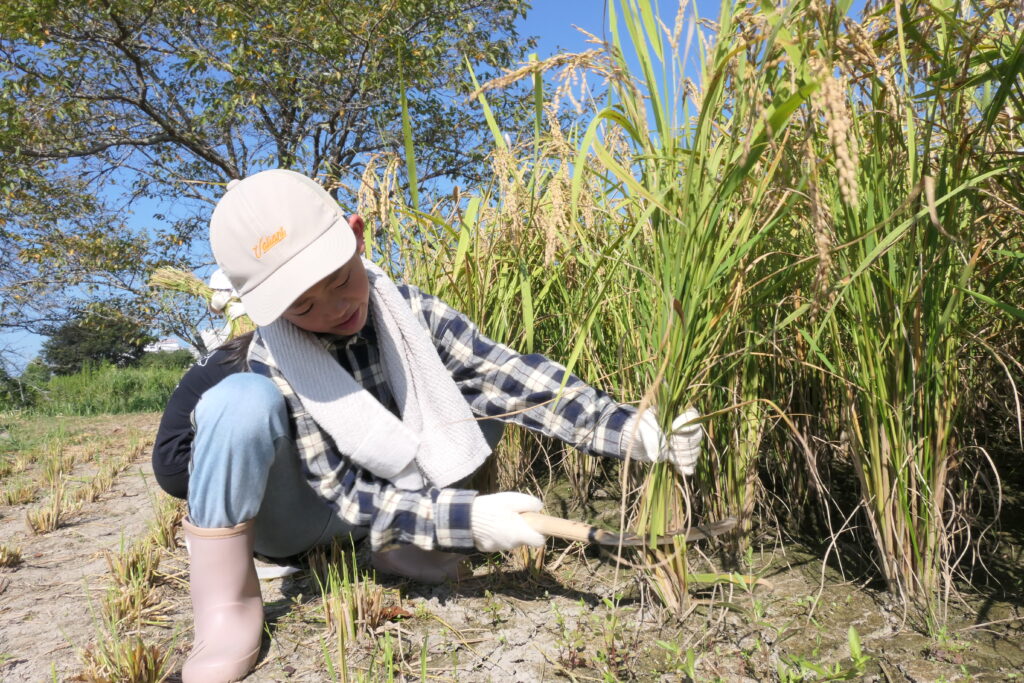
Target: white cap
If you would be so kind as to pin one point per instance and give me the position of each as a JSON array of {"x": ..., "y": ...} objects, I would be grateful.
[{"x": 275, "y": 234}]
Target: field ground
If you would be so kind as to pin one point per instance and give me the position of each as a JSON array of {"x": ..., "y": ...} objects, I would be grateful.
[{"x": 504, "y": 624}]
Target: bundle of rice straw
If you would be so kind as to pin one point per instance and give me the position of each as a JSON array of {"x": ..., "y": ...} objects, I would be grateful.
[{"x": 220, "y": 298}]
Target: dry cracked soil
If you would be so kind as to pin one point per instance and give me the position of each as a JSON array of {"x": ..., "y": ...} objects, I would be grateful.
[{"x": 569, "y": 614}]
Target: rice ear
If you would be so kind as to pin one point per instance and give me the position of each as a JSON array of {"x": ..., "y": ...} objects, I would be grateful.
[{"x": 178, "y": 280}]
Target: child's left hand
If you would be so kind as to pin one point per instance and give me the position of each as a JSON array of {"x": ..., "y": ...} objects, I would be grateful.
[{"x": 681, "y": 448}]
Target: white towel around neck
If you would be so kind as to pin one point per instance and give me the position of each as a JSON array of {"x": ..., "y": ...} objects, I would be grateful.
[{"x": 437, "y": 431}]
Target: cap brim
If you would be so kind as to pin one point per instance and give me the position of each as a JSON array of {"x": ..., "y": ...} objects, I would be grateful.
[{"x": 267, "y": 301}]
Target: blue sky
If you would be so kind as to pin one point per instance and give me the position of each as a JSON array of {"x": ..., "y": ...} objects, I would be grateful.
[{"x": 550, "y": 21}]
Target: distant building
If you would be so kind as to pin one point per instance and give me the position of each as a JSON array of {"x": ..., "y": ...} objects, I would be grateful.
[{"x": 167, "y": 344}]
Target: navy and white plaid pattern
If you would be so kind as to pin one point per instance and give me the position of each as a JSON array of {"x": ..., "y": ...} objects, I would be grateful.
[{"x": 496, "y": 381}]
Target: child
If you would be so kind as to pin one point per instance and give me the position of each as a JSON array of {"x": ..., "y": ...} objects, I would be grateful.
[{"x": 352, "y": 410}]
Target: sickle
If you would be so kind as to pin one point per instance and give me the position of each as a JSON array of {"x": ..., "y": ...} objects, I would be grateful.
[{"x": 578, "y": 531}]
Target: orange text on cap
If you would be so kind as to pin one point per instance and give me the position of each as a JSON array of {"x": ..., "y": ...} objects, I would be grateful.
[{"x": 268, "y": 242}]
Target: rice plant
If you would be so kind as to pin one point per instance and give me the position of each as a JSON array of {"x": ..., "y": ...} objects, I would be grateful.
[
  {"x": 697, "y": 177},
  {"x": 794, "y": 244},
  {"x": 915, "y": 236}
]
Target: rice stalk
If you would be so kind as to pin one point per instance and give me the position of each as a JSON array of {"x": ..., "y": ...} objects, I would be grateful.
[
  {"x": 168, "y": 513},
  {"x": 353, "y": 602},
  {"x": 10, "y": 556},
  {"x": 114, "y": 658},
  {"x": 20, "y": 493},
  {"x": 53, "y": 514},
  {"x": 133, "y": 599},
  {"x": 99, "y": 484},
  {"x": 813, "y": 237}
]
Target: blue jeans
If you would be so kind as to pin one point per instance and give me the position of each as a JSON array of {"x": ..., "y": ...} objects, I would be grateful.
[{"x": 245, "y": 466}]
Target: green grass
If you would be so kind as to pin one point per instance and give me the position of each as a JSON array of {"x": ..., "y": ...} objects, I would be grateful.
[{"x": 108, "y": 390}]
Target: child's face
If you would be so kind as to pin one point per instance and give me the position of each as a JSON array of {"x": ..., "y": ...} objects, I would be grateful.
[{"x": 338, "y": 303}]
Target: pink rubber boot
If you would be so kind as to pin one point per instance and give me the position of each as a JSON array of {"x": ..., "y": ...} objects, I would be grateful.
[{"x": 227, "y": 606}]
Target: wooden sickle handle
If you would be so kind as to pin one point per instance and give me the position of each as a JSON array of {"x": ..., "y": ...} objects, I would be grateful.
[{"x": 572, "y": 530}]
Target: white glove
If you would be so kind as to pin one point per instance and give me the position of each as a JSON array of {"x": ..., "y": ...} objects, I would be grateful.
[
  {"x": 497, "y": 525},
  {"x": 682, "y": 448}
]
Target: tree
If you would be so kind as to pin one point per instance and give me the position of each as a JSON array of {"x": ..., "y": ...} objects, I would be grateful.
[
  {"x": 94, "y": 336},
  {"x": 15, "y": 393},
  {"x": 36, "y": 374},
  {"x": 118, "y": 106}
]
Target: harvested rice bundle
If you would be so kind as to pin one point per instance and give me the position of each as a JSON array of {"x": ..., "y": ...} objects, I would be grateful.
[{"x": 220, "y": 298}]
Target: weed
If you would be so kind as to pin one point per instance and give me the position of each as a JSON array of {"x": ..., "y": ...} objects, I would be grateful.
[
  {"x": 421, "y": 611},
  {"x": 798, "y": 669},
  {"x": 493, "y": 608},
  {"x": 570, "y": 643},
  {"x": 684, "y": 663},
  {"x": 615, "y": 654}
]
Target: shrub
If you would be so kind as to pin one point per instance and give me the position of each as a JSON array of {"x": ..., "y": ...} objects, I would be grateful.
[
  {"x": 108, "y": 389},
  {"x": 167, "y": 360}
]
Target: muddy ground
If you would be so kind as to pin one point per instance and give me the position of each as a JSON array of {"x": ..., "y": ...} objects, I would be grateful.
[{"x": 577, "y": 617}]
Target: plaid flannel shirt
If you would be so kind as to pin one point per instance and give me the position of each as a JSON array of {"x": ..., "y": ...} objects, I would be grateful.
[{"x": 496, "y": 381}]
